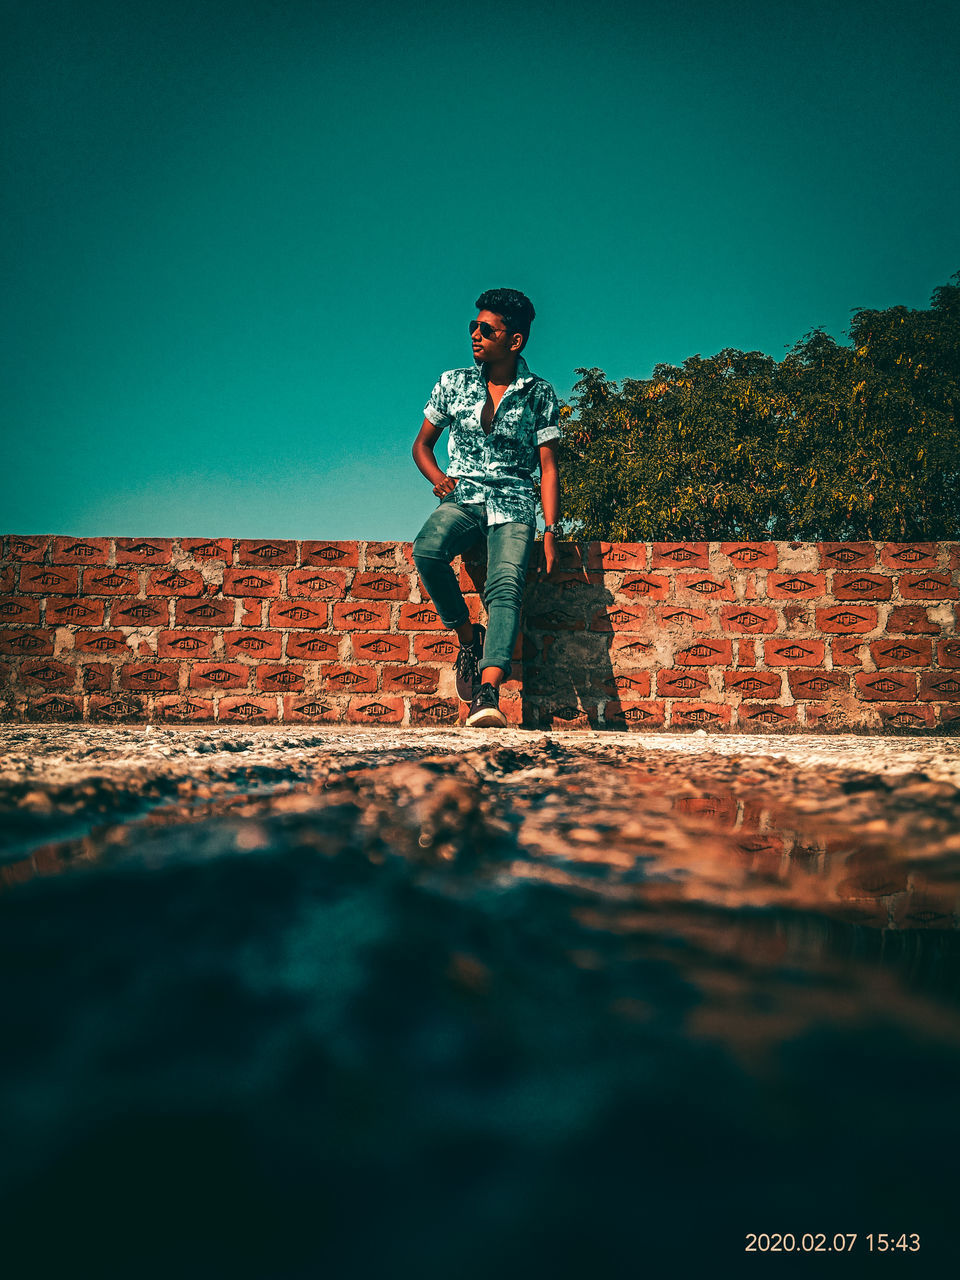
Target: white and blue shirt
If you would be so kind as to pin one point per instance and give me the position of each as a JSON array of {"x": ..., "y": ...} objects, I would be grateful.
[{"x": 498, "y": 467}]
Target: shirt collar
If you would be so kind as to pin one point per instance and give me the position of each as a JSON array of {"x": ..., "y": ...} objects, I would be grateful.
[{"x": 521, "y": 378}]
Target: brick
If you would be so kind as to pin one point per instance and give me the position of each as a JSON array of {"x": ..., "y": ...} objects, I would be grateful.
[
  {"x": 705, "y": 653},
  {"x": 648, "y": 586},
  {"x": 631, "y": 649},
  {"x": 26, "y": 549},
  {"x": 754, "y": 684},
  {"x": 300, "y": 614},
  {"x": 208, "y": 549},
  {"x": 862, "y": 586},
  {"x": 219, "y": 675},
  {"x": 99, "y": 581},
  {"x": 22, "y": 612},
  {"x": 382, "y": 709},
  {"x": 310, "y": 647},
  {"x": 609, "y": 557},
  {"x": 633, "y": 686},
  {"x": 746, "y": 652},
  {"x": 692, "y": 619},
  {"x": 796, "y": 586},
  {"x": 703, "y": 715},
  {"x": 794, "y": 653},
  {"x": 413, "y": 617},
  {"x": 681, "y": 684},
  {"x": 614, "y": 618},
  {"x": 381, "y": 646},
  {"x": 380, "y": 586},
  {"x": 144, "y": 550},
  {"x": 473, "y": 577},
  {"x": 63, "y": 611},
  {"x": 680, "y": 555},
  {"x": 318, "y": 707},
  {"x": 49, "y": 579},
  {"x": 256, "y": 645},
  {"x": 150, "y": 677},
  {"x": 558, "y": 715},
  {"x": 81, "y": 550},
  {"x": 909, "y": 555},
  {"x": 348, "y": 679},
  {"x": 184, "y": 710},
  {"x": 260, "y": 584},
  {"x": 251, "y": 612},
  {"x": 627, "y": 714},
  {"x": 939, "y": 686},
  {"x": 331, "y": 555},
  {"x": 185, "y": 644},
  {"x": 949, "y": 718},
  {"x": 847, "y": 555},
  {"x": 410, "y": 679},
  {"x": 836, "y": 717},
  {"x": 926, "y": 907},
  {"x": 844, "y": 619},
  {"x": 751, "y": 555},
  {"x": 757, "y": 717},
  {"x": 441, "y": 711},
  {"x": 247, "y": 710},
  {"x": 96, "y": 677},
  {"x": 818, "y": 683},
  {"x": 706, "y": 586},
  {"x": 375, "y": 616},
  {"x": 911, "y": 620},
  {"x": 205, "y": 613},
  {"x": 268, "y": 555},
  {"x": 101, "y": 643},
  {"x": 901, "y": 652},
  {"x": 887, "y": 686},
  {"x": 138, "y": 613},
  {"x": 752, "y": 619},
  {"x": 908, "y": 718},
  {"x": 916, "y": 586},
  {"x": 19, "y": 643},
  {"x": 316, "y": 584},
  {"x": 8, "y": 584},
  {"x": 948, "y": 652},
  {"x": 59, "y": 706},
  {"x": 175, "y": 582},
  {"x": 284, "y": 678},
  {"x": 382, "y": 554},
  {"x": 846, "y": 653},
  {"x": 48, "y": 673}
]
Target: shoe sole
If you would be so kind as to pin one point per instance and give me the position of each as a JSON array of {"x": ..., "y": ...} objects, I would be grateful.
[{"x": 489, "y": 717}]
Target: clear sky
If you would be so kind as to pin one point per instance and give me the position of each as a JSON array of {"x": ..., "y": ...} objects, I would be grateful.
[{"x": 242, "y": 238}]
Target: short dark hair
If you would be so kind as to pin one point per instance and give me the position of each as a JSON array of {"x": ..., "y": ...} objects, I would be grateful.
[{"x": 515, "y": 307}]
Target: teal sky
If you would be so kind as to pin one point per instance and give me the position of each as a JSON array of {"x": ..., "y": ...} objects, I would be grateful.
[{"x": 242, "y": 238}]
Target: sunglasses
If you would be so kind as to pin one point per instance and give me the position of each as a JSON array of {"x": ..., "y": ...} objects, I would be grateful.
[{"x": 486, "y": 330}]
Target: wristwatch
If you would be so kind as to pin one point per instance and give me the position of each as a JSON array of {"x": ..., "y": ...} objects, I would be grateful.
[{"x": 555, "y": 529}]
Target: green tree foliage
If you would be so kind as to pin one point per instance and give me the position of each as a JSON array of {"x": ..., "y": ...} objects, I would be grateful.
[{"x": 833, "y": 442}]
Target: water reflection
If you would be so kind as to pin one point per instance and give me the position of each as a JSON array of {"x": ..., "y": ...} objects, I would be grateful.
[{"x": 429, "y": 1022}]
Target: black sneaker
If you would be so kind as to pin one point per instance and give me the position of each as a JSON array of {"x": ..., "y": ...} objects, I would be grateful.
[
  {"x": 485, "y": 709},
  {"x": 468, "y": 664}
]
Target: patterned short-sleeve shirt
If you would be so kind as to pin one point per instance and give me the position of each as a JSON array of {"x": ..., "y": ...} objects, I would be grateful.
[{"x": 498, "y": 467}]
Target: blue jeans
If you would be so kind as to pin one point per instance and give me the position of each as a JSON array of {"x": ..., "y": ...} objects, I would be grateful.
[{"x": 448, "y": 532}]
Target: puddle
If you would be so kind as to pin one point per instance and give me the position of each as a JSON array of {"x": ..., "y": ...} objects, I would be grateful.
[{"x": 463, "y": 1013}]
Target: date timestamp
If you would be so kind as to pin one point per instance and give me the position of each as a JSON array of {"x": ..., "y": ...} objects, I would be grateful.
[{"x": 821, "y": 1242}]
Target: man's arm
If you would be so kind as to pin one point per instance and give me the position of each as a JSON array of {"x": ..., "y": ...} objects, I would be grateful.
[
  {"x": 423, "y": 448},
  {"x": 549, "y": 484}
]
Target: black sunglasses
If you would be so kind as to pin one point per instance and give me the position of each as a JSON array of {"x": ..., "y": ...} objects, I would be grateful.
[{"x": 486, "y": 330}]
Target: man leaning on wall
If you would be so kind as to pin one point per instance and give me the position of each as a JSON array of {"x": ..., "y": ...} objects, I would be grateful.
[{"x": 504, "y": 425}]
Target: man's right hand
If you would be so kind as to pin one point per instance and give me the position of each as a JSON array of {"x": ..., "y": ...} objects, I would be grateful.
[{"x": 445, "y": 485}]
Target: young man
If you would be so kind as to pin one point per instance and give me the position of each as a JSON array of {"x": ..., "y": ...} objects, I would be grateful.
[{"x": 504, "y": 423}]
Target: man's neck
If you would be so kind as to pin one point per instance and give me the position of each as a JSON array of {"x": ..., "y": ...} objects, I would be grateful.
[{"x": 501, "y": 372}]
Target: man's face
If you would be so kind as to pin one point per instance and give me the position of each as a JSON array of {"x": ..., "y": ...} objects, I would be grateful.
[{"x": 499, "y": 345}]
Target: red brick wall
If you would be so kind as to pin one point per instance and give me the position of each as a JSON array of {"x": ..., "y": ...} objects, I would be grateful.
[{"x": 752, "y": 637}]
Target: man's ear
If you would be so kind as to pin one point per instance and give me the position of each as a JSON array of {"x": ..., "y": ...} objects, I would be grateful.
[{"x": 517, "y": 342}]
